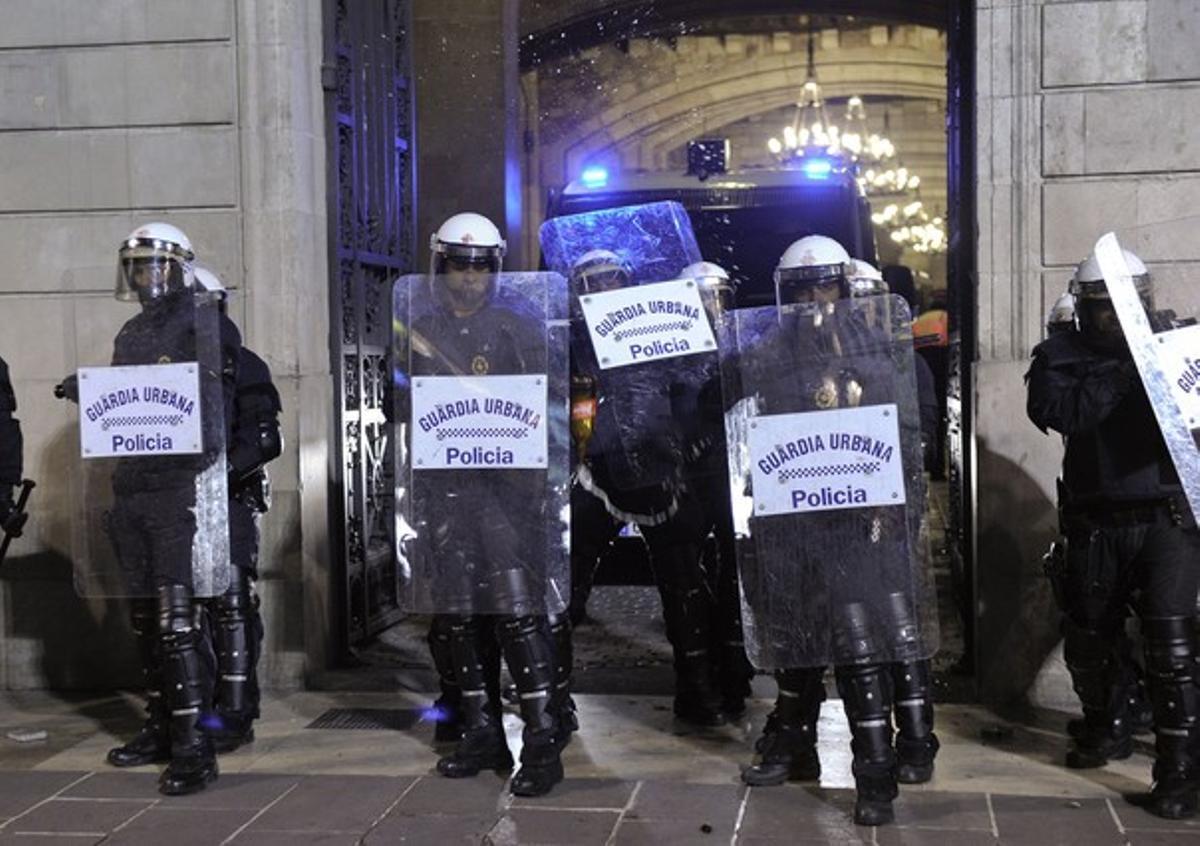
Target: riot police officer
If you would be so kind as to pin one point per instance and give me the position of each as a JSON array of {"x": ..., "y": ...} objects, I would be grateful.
[
  {"x": 672, "y": 516},
  {"x": 812, "y": 280},
  {"x": 1061, "y": 317},
  {"x": 472, "y": 332},
  {"x": 234, "y": 617},
  {"x": 1130, "y": 538},
  {"x": 11, "y": 519},
  {"x": 153, "y": 521}
]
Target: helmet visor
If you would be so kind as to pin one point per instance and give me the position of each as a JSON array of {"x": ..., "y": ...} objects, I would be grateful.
[
  {"x": 1097, "y": 289},
  {"x": 815, "y": 284},
  {"x": 453, "y": 258},
  {"x": 145, "y": 274},
  {"x": 606, "y": 277}
]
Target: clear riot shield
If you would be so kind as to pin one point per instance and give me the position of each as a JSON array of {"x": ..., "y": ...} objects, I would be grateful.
[
  {"x": 640, "y": 336},
  {"x": 655, "y": 240},
  {"x": 1166, "y": 351},
  {"x": 148, "y": 480},
  {"x": 480, "y": 393},
  {"x": 823, "y": 435}
]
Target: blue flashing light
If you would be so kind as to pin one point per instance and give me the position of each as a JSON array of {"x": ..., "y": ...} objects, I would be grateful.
[
  {"x": 817, "y": 168},
  {"x": 594, "y": 176}
]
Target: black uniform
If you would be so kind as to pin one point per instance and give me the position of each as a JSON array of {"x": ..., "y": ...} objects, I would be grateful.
[
  {"x": 237, "y": 628},
  {"x": 478, "y": 535},
  {"x": 1130, "y": 539},
  {"x": 10, "y": 446},
  {"x": 645, "y": 481},
  {"x": 871, "y": 624},
  {"x": 705, "y": 491},
  {"x": 153, "y": 524}
]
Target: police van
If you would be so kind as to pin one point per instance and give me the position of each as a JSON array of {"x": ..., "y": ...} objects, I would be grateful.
[{"x": 743, "y": 220}]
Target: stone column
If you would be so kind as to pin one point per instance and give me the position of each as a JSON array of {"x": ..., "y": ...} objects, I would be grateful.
[{"x": 282, "y": 143}]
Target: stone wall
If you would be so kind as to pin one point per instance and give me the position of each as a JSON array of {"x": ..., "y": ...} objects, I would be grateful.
[
  {"x": 207, "y": 115},
  {"x": 1085, "y": 124}
]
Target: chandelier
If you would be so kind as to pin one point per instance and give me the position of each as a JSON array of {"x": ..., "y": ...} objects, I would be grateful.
[
  {"x": 873, "y": 157},
  {"x": 912, "y": 227}
]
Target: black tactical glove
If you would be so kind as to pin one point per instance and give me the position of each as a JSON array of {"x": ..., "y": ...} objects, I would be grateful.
[
  {"x": 68, "y": 388},
  {"x": 12, "y": 522}
]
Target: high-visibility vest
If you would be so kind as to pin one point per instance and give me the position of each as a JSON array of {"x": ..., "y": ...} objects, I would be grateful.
[{"x": 932, "y": 329}]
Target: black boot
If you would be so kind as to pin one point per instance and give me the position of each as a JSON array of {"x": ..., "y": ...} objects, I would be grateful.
[
  {"x": 696, "y": 700},
  {"x": 866, "y": 695},
  {"x": 152, "y": 744},
  {"x": 237, "y": 640},
  {"x": 483, "y": 745},
  {"x": 187, "y": 677},
  {"x": 788, "y": 746},
  {"x": 530, "y": 654},
  {"x": 916, "y": 744},
  {"x": 1170, "y": 664}
]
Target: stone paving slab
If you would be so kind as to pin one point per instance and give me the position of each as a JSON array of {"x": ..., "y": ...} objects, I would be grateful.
[{"x": 125, "y": 808}]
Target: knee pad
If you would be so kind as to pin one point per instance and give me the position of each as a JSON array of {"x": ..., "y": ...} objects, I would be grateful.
[
  {"x": 186, "y": 659},
  {"x": 512, "y": 588},
  {"x": 855, "y": 640},
  {"x": 236, "y": 644},
  {"x": 1170, "y": 664},
  {"x": 1170, "y": 646}
]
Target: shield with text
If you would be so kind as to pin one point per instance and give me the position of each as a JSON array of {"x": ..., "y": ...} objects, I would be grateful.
[
  {"x": 826, "y": 484},
  {"x": 482, "y": 455},
  {"x": 641, "y": 337},
  {"x": 149, "y": 488}
]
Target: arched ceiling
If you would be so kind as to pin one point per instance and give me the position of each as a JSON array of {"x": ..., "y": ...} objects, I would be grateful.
[
  {"x": 683, "y": 105},
  {"x": 551, "y": 29}
]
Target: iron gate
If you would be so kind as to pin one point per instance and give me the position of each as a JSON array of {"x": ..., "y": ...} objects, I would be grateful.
[{"x": 368, "y": 102}]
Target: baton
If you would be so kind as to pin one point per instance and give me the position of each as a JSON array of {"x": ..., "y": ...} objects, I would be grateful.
[{"x": 27, "y": 486}]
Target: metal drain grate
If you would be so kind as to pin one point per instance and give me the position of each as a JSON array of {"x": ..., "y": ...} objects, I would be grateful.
[{"x": 369, "y": 719}]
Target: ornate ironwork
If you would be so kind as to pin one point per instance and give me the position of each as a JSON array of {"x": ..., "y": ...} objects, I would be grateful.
[{"x": 366, "y": 74}]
